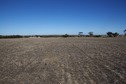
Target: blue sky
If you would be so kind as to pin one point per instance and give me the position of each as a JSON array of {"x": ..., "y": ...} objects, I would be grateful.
[{"x": 25, "y": 17}]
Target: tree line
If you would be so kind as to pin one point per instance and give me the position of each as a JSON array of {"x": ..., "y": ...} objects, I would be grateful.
[{"x": 80, "y": 34}]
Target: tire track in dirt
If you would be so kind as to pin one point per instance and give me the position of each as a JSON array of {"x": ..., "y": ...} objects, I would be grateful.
[
  {"x": 109, "y": 62},
  {"x": 98, "y": 64},
  {"x": 91, "y": 75}
]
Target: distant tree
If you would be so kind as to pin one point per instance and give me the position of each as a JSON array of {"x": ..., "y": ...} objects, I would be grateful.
[
  {"x": 97, "y": 36},
  {"x": 80, "y": 34},
  {"x": 90, "y": 33},
  {"x": 110, "y": 34},
  {"x": 66, "y": 35},
  {"x": 115, "y": 34},
  {"x": 124, "y": 32},
  {"x": 1, "y": 36}
]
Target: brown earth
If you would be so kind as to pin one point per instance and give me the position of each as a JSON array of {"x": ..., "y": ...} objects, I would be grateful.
[{"x": 63, "y": 61}]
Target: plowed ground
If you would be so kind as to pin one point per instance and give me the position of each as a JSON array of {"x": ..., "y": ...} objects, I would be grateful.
[{"x": 63, "y": 61}]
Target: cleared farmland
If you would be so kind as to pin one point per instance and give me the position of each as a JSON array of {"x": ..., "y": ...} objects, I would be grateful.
[{"x": 63, "y": 61}]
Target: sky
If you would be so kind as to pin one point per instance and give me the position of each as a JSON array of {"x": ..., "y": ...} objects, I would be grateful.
[{"x": 43, "y": 17}]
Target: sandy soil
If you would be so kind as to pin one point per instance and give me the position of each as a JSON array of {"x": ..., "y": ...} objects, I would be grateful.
[{"x": 63, "y": 61}]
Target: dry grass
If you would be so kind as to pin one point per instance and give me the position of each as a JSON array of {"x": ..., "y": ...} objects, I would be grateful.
[{"x": 63, "y": 61}]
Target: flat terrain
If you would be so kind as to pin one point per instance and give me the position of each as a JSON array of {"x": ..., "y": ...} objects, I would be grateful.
[{"x": 63, "y": 61}]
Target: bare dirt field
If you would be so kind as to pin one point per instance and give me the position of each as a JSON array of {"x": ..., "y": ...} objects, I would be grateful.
[{"x": 63, "y": 61}]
